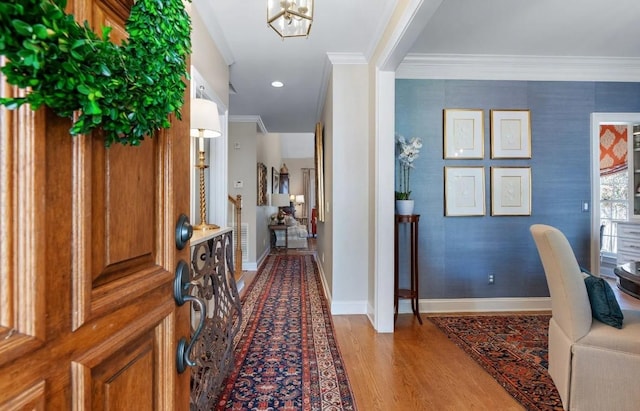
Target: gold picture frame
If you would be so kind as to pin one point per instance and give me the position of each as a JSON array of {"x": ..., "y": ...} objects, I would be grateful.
[
  {"x": 463, "y": 134},
  {"x": 464, "y": 193},
  {"x": 510, "y": 191},
  {"x": 510, "y": 134},
  {"x": 262, "y": 184},
  {"x": 319, "y": 162},
  {"x": 275, "y": 181}
]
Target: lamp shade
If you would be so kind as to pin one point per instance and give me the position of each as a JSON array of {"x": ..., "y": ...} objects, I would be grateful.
[
  {"x": 300, "y": 198},
  {"x": 280, "y": 200},
  {"x": 205, "y": 121}
]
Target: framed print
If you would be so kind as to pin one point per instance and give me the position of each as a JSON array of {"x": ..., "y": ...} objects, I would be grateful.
[
  {"x": 511, "y": 191},
  {"x": 275, "y": 180},
  {"x": 463, "y": 133},
  {"x": 464, "y": 191},
  {"x": 510, "y": 134},
  {"x": 284, "y": 183}
]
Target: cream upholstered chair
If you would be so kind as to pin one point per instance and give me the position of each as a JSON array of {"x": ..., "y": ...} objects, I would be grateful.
[{"x": 594, "y": 366}]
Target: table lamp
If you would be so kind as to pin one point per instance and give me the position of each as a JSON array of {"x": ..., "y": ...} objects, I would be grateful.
[{"x": 205, "y": 123}]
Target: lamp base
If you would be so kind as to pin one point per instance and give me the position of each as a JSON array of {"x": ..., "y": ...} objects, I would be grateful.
[{"x": 204, "y": 227}]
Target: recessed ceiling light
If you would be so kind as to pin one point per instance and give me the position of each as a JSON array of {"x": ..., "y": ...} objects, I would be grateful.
[{"x": 277, "y": 84}]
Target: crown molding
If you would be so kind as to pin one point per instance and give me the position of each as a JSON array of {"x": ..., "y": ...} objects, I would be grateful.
[
  {"x": 501, "y": 67},
  {"x": 378, "y": 34},
  {"x": 205, "y": 11},
  {"x": 346, "y": 58},
  {"x": 249, "y": 119},
  {"x": 332, "y": 60},
  {"x": 411, "y": 21}
]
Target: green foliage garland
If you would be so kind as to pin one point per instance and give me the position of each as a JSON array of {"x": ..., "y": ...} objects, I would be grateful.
[{"x": 127, "y": 90}]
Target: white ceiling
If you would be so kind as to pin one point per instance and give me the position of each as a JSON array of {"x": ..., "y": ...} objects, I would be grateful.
[{"x": 257, "y": 56}]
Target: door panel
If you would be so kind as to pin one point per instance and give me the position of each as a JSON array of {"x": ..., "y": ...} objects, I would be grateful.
[
  {"x": 87, "y": 316},
  {"x": 31, "y": 398},
  {"x": 128, "y": 230}
]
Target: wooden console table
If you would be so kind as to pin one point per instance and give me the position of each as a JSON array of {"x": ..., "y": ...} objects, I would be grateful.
[
  {"x": 281, "y": 227},
  {"x": 412, "y": 292}
]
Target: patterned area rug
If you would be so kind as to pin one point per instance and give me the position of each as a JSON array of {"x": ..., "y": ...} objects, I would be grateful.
[
  {"x": 513, "y": 349},
  {"x": 286, "y": 356}
]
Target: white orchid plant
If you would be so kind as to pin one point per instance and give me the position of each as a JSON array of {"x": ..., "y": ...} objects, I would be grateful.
[{"x": 408, "y": 152}]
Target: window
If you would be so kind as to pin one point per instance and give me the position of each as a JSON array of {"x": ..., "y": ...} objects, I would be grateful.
[{"x": 613, "y": 208}]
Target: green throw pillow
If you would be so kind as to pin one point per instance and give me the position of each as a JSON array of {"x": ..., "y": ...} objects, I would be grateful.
[{"x": 604, "y": 305}]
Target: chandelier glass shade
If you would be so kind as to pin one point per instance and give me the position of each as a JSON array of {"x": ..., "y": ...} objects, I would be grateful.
[{"x": 290, "y": 18}]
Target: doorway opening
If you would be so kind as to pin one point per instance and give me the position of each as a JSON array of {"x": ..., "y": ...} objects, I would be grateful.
[{"x": 611, "y": 185}]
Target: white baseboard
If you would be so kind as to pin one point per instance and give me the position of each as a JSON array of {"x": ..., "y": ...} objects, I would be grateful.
[
  {"x": 348, "y": 307},
  {"x": 253, "y": 265},
  {"x": 250, "y": 266},
  {"x": 325, "y": 286},
  {"x": 478, "y": 305},
  {"x": 341, "y": 307}
]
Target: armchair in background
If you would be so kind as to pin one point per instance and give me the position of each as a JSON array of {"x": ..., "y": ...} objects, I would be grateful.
[
  {"x": 296, "y": 232},
  {"x": 594, "y": 365}
]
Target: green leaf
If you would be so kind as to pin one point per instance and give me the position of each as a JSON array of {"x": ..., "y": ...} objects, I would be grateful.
[
  {"x": 21, "y": 27},
  {"x": 31, "y": 45},
  {"x": 92, "y": 108},
  {"x": 41, "y": 31},
  {"x": 76, "y": 55},
  {"x": 106, "y": 31},
  {"x": 83, "y": 89}
]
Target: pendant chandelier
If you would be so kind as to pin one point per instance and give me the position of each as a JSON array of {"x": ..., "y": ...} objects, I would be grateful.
[{"x": 290, "y": 18}]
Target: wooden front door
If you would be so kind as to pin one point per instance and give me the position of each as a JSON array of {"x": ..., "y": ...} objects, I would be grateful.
[{"x": 87, "y": 259}]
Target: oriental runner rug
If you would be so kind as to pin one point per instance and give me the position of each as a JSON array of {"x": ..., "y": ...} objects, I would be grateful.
[
  {"x": 512, "y": 349},
  {"x": 286, "y": 355}
]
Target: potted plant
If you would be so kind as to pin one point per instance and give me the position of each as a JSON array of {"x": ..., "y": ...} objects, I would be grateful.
[{"x": 407, "y": 152}]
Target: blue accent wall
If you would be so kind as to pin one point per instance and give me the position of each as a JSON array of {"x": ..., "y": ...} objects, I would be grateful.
[{"x": 456, "y": 254}]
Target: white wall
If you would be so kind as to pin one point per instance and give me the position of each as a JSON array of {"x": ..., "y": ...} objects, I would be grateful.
[
  {"x": 243, "y": 168},
  {"x": 211, "y": 71},
  {"x": 348, "y": 187},
  {"x": 208, "y": 60}
]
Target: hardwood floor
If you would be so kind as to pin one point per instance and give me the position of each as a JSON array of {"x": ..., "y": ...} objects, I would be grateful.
[
  {"x": 418, "y": 368},
  {"x": 415, "y": 368}
]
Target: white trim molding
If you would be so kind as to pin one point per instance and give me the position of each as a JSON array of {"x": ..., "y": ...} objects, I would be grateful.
[
  {"x": 346, "y": 58},
  {"x": 478, "y": 305},
  {"x": 349, "y": 307},
  {"x": 499, "y": 67},
  {"x": 249, "y": 119},
  {"x": 331, "y": 60},
  {"x": 215, "y": 31}
]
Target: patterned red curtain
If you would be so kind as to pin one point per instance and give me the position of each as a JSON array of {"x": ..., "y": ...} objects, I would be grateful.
[{"x": 613, "y": 149}]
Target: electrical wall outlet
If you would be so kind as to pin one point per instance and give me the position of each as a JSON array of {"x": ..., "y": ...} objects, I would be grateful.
[{"x": 491, "y": 279}]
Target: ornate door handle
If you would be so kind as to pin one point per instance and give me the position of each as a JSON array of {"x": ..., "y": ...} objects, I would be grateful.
[
  {"x": 181, "y": 295},
  {"x": 184, "y": 231}
]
